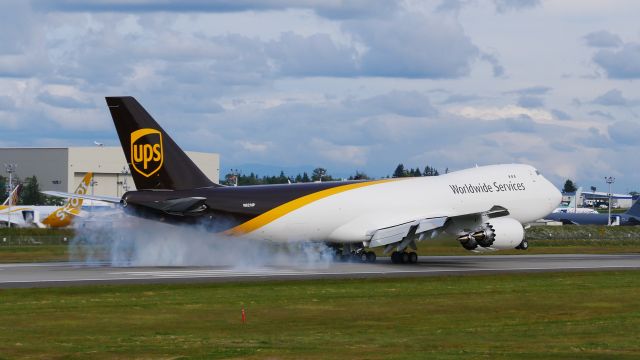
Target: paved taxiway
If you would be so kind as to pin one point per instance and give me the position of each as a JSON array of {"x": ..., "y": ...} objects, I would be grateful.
[{"x": 64, "y": 274}]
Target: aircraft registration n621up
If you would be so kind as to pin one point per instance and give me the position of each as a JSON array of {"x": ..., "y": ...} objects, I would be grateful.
[{"x": 483, "y": 206}]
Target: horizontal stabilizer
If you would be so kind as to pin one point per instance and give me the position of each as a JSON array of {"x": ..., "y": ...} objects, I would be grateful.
[
  {"x": 60, "y": 194},
  {"x": 180, "y": 205}
]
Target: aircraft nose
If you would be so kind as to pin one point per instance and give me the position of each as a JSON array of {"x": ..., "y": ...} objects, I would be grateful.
[{"x": 555, "y": 197}]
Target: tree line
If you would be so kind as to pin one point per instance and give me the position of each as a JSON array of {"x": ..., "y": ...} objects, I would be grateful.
[
  {"x": 400, "y": 171},
  {"x": 570, "y": 187},
  {"x": 30, "y": 193},
  {"x": 319, "y": 174}
]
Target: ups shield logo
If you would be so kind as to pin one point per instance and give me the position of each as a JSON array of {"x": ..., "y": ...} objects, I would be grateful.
[{"x": 146, "y": 151}]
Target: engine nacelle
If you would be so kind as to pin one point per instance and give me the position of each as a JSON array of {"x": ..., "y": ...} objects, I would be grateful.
[{"x": 499, "y": 233}]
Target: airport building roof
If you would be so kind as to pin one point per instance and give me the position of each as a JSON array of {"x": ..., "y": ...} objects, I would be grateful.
[{"x": 62, "y": 168}]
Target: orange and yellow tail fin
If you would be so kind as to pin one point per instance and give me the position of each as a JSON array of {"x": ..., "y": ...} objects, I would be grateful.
[
  {"x": 12, "y": 199},
  {"x": 64, "y": 215}
]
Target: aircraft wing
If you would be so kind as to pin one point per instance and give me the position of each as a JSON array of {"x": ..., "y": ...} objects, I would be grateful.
[
  {"x": 407, "y": 233},
  {"x": 65, "y": 195}
]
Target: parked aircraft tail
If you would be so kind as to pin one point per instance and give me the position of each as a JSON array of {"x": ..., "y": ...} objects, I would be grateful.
[
  {"x": 574, "y": 200},
  {"x": 155, "y": 160},
  {"x": 12, "y": 199},
  {"x": 634, "y": 210},
  {"x": 62, "y": 216}
]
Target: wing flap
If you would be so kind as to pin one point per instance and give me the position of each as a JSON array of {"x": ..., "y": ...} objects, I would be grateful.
[
  {"x": 396, "y": 233},
  {"x": 390, "y": 235}
]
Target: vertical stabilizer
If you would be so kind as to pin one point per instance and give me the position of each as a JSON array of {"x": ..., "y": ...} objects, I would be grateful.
[
  {"x": 634, "y": 210},
  {"x": 155, "y": 161},
  {"x": 63, "y": 216},
  {"x": 12, "y": 199}
]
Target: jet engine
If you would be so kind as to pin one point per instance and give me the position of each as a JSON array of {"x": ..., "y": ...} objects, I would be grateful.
[{"x": 499, "y": 233}]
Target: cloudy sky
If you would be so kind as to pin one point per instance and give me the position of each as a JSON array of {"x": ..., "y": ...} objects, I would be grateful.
[{"x": 347, "y": 85}]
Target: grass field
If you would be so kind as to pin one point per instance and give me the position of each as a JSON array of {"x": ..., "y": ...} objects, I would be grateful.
[
  {"x": 590, "y": 315},
  {"x": 46, "y": 253},
  {"x": 40, "y": 245}
]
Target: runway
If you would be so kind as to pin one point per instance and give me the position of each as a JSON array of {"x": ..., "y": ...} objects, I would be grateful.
[{"x": 66, "y": 274}]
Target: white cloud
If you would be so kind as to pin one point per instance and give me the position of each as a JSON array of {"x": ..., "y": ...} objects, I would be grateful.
[
  {"x": 344, "y": 154},
  {"x": 505, "y": 112},
  {"x": 254, "y": 146},
  {"x": 623, "y": 63},
  {"x": 342, "y": 85},
  {"x": 602, "y": 39}
]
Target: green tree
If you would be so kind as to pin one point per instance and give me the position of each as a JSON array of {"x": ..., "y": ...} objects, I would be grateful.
[
  {"x": 359, "y": 176},
  {"x": 399, "y": 171},
  {"x": 430, "y": 171},
  {"x": 569, "y": 186},
  {"x": 282, "y": 178},
  {"x": 31, "y": 194},
  {"x": 320, "y": 174},
  {"x": 305, "y": 177},
  {"x": 251, "y": 179}
]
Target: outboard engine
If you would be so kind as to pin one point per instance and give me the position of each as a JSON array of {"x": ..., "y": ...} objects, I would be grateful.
[{"x": 499, "y": 234}]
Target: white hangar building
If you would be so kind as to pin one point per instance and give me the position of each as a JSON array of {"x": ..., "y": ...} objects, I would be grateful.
[{"x": 61, "y": 169}]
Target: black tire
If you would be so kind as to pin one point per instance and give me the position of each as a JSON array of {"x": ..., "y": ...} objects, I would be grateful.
[
  {"x": 524, "y": 245},
  {"x": 413, "y": 257},
  {"x": 363, "y": 257},
  {"x": 404, "y": 256},
  {"x": 371, "y": 257},
  {"x": 395, "y": 258}
]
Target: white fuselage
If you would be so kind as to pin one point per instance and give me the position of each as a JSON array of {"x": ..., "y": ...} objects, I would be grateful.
[
  {"x": 18, "y": 214},
  {"x": 349, "y": 216},
  {"x": 577, "y": 210}
]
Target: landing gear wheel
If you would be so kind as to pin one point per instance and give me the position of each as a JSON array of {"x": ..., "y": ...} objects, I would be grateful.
[
  {"x": 395, "y": 258},
  {"x": 363, "y": 256},
  {"x": 413, "y": 257},
  {"x": 524, "y": 245},
  {"x": 405, "y": 257},
  {"x": 371, "y": 256}
]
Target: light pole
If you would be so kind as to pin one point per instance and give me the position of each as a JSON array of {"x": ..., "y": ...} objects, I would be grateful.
[
  {"x": 92, "y": 183},
  {"x": 10, "y": 168},
  {"x": 125, "y": 173},
  {"x": 610, "y": 180}
]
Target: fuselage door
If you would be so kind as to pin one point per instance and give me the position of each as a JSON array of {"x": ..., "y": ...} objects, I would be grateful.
[{"x": 615, "y": 220}]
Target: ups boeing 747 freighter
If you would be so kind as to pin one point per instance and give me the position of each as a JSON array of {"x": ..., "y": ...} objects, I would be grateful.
[{"x": 484, "y": 207}]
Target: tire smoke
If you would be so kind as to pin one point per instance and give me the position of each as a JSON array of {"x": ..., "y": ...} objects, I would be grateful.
[{"x": 132, "y": 241}]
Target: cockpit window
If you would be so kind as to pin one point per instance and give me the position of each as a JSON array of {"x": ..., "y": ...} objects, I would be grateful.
[{"x": 538, "y": 172}]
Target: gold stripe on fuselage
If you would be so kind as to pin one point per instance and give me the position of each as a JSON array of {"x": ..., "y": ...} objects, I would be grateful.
[{"x": 278, "y": 212}]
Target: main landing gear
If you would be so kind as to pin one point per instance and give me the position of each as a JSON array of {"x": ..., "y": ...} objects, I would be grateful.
[
  {"x": 403, "y": 257},
  {"x": 360, "y": 256},
  {"x": 353, "y": 254}
]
